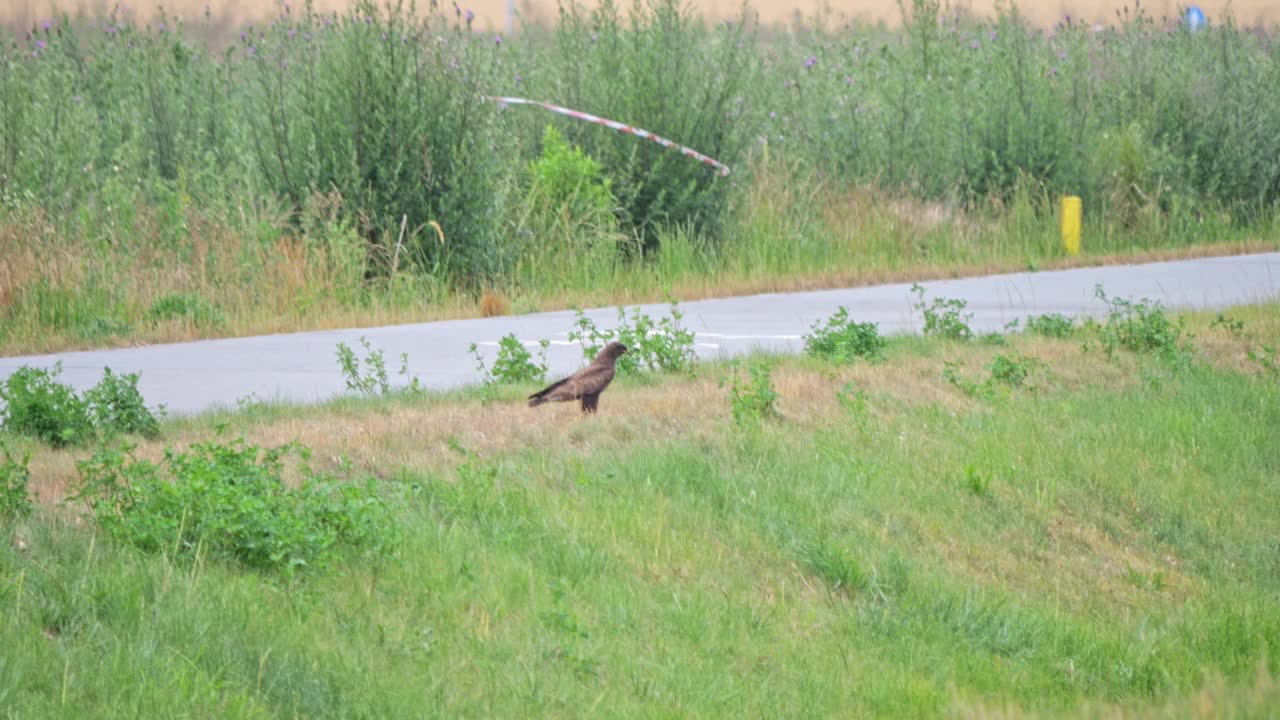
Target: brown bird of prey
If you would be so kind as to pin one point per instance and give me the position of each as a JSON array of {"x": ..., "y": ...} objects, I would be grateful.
[{"x": 586, "y": 384}]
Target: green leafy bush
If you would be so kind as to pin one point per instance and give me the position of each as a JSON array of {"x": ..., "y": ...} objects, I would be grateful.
[
  {"x": 37, "y": 405},
  {"x": 231, "y": 501},
  {"x": 567, "y": 178},
  {"x": 1011, "y": 370},
  {"x": 842, "y": 340},
  {"x": 651, "y": 346},
  {"x": 118, "y": 407},
  {"x": 15, "y": 475},
  {"x": 944, "y": 317}
]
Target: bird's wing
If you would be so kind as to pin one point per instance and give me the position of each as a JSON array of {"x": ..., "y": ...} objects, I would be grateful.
[{"x": 590, "y": 380}]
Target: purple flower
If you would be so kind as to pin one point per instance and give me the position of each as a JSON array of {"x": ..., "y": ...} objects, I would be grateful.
[
  {"x": 470, "y": 16},
  {"x": 41, "y": 45},
  {"x": 810, "y": 62},
  {"x": 253, "y": 50},
  {"x": 498, "y": 41},
  {"x": 594, "y": 37},
  {"x": 519, "y": 79},
  {"x": 46, "y": 25},
  {"x": 293, "y": 33},
  {"x": 76, "y": 98},
  {"x": 975, "y": 45},
  {"x": 773, "y": 114},
  {"x": 993, "y": 36},
  {"x": 111, "y": 30},
  {"x": 848, "y": 80},
  {"x": 162, "y": 28},
  {"x": 243, "y": 36}
]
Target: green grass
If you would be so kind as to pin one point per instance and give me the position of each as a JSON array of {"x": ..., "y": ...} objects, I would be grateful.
[{"x": 659, "y": 560}]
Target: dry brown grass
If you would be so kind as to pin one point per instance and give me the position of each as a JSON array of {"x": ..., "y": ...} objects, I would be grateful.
[
  {"x": 424, "y": 433},
  {"x": 493, "y": 304},
  {"x": 492, "y": 13}
]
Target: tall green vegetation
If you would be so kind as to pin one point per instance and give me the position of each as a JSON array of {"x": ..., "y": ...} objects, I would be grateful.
[{"x": 349, "y": 163}]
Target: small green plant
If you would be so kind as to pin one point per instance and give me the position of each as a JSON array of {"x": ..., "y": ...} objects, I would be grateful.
[
  {"x": 951, "y": 373},
  {"x": 1234, "y": 326},
  {"x": 414, "y": 385},
  {"x": 853, "y": 399},
  {"x": 842, "y": 340},
  {"x": 15, "y": 475},
  {"x": 944, "y": 317},
  {"x": 1011, "y": 370},
  {"x": 651, "y": 346},
  {"x": 754, "y": 398},
  {"x": 840, "y": 569},
  {"x": 514, "y": 363},
  {"x": 1265, "y": 356},
  {"x": 372, "y": 381},
  {"x": 975, "y": 482},
  {"x": 230, "y": 500},
  {"x": 1053, "y": 325},
  {"x": 1140, "y": 327}
]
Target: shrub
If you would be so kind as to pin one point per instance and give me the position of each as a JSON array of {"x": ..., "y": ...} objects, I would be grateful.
[
  {"x": 659, "y": 69},
  {"x": 651, "y": 346},
  {"x": 38, "y": 406},
  {"x": 944, "y": 317},
  {"x": 118, "y": 407},
  {"x": 230, "y": 500},
  {"x": 15, "y": 475},
  {"x": 842, "y": 340}
]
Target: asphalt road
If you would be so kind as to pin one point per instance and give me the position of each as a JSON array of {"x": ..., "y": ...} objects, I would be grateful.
[{"x": 196, "y": 376}]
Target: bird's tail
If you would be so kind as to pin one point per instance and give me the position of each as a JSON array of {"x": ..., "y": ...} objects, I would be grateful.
[{"x": 536, "y": 400}]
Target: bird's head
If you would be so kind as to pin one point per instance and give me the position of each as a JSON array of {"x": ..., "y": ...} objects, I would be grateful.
[{"x": 612, "y": 351}]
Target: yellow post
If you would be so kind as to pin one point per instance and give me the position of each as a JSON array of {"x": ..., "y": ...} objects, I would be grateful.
[{"x": 1071, "y": 224}]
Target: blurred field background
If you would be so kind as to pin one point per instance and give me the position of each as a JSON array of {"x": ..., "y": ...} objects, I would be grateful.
[
  {"x": 169, "y": 178},
  {"x": 493, "y": 13}
]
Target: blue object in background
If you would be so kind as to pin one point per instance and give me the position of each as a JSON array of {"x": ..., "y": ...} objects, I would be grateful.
[{"x": 1195, "y": 18}]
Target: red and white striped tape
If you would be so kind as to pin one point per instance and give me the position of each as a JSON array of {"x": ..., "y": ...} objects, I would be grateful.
[{"x": 620, "y": 127}]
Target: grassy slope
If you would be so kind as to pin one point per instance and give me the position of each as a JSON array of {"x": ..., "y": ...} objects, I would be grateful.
[{"x": 657, "y": 561}]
